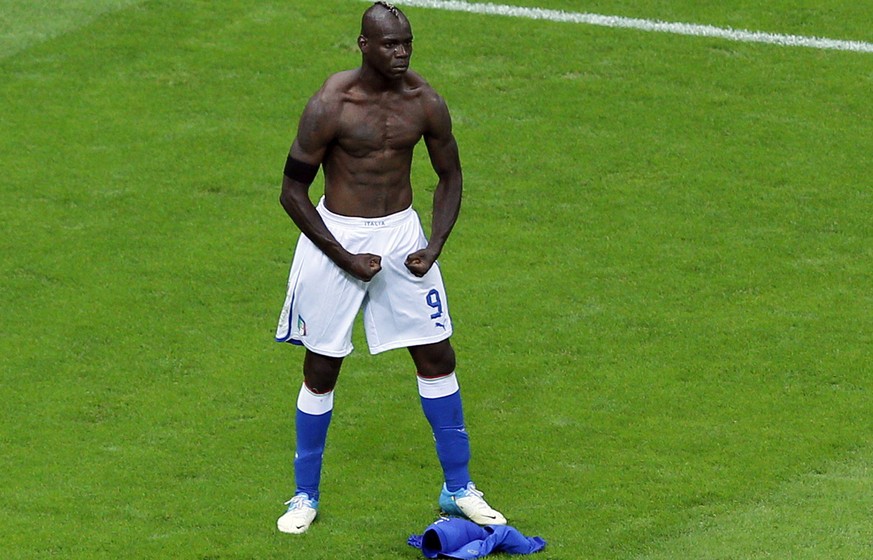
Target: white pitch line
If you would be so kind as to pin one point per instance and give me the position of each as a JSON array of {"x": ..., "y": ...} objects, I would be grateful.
[{"x": 643, "y": 25}]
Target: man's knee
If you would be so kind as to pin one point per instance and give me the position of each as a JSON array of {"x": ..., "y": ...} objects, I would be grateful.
[
  {"x": 434, "y": 360},
  {"x": 320, "y": 373}
]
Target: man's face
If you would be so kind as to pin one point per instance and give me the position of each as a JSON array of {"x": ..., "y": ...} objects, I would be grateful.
[{"x": 389, "y": 46}]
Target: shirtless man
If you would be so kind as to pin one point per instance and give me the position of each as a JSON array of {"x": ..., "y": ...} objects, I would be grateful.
[{"x": 363, "y": 246}]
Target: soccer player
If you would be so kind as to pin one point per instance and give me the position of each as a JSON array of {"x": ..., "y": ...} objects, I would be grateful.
[{"x": 363, "y": 246}]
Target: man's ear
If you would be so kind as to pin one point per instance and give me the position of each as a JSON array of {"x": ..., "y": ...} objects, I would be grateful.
[{"x": 362, "y": 43}]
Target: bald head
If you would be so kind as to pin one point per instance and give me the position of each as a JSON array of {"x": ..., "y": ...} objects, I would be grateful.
[{"x": 380, "y": 15}]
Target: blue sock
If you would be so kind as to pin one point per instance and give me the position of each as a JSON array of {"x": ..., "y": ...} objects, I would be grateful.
[
  {"x": 441, "y": 402},
  {"x": 314, "y": 412}
]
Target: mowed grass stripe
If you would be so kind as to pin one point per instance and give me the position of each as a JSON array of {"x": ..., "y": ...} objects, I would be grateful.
[
  {"x": 24, "y": 23},
  {"x": 820, "y": 514}
]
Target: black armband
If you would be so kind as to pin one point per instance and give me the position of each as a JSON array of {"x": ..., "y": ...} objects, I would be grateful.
[{"x": 300, "y": 171}]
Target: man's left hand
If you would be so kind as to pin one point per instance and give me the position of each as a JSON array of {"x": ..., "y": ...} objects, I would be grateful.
[{"x": 420, "y": 262}]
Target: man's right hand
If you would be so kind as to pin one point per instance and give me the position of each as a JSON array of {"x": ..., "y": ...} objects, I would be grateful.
[{"x": 364, "y": 266}]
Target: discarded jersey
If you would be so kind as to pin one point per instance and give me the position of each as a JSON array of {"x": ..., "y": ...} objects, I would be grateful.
[{"x": 463, "y": 539}]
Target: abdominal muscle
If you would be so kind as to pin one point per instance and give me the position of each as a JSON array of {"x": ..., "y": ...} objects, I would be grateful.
[{"x": 372, "y": 186}]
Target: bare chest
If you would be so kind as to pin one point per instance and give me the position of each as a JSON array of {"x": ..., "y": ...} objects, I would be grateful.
[{"x": 391, "y": 126}]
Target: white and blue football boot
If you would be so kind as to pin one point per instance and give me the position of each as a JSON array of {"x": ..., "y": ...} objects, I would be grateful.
[
  {"x": 470, "y": 504},
  {"x": 301, "y": 513}
]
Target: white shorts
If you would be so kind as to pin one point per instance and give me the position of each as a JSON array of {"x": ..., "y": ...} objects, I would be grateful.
[{"x": 400, "y": 309}]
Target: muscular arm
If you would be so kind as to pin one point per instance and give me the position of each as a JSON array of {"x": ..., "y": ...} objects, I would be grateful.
[
  {"x": 443, "y": 151},
  {"x": 316, "y": 130}
]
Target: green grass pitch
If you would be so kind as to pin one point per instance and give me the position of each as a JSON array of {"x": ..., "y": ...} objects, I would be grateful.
[{"x": 661, "y": 281}]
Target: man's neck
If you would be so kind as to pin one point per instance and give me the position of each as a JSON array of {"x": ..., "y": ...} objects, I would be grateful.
[{"x": 374, "y": 82}]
